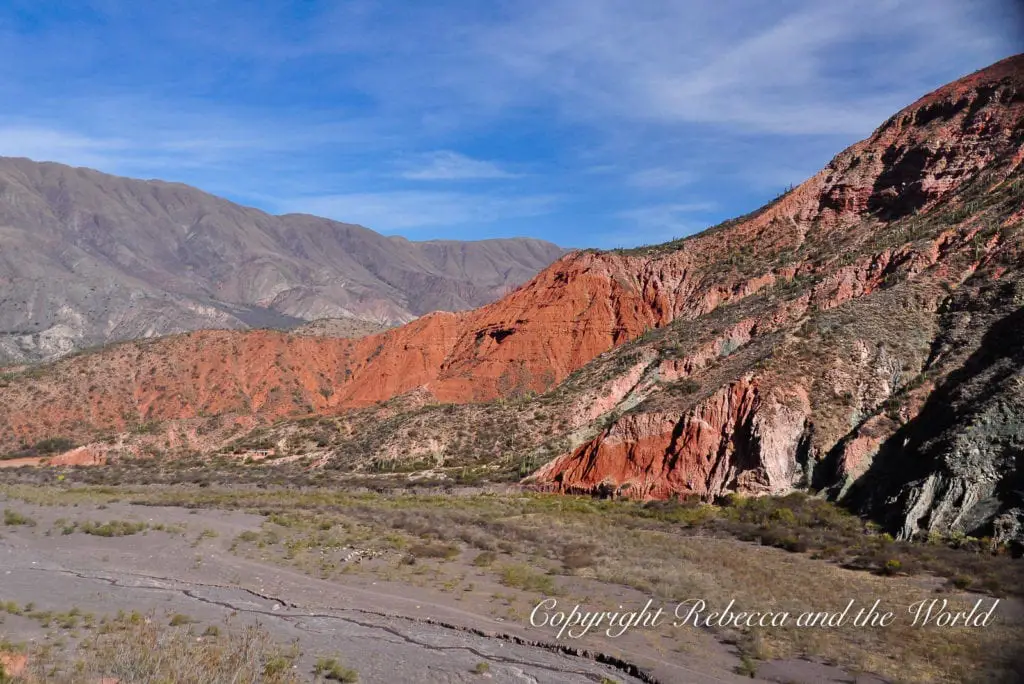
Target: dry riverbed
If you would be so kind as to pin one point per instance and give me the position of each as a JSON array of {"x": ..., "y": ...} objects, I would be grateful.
[{"x": 385, "y": 588}]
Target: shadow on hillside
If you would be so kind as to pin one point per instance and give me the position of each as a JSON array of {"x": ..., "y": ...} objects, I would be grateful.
[{"x": 921, "y": 447}]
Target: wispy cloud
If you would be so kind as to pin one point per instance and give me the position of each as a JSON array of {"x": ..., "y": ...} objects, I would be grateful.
[
  {"x": 396, "y": 211},
  {"x": 659, "y": 222},
  {"x": 306, "y": 107},
  {"x": 446, "y": 165},
  {"x": 661, "y": 178},
  {"x": 664, "y": 215},
  {"x": 221, "y": 148},
  {"x": 44, "y": 144},
  {"x": 779, "y": 69}
]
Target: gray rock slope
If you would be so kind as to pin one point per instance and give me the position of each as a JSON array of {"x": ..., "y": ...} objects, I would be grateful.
[{"x": 88, "y": 258}]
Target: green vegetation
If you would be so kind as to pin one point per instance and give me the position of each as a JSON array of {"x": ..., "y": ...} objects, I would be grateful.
[
  {"x": 136, "y": 648},
  {"x": 892, "y": 566},
  {"x": 148, "y": 428},
  {"x": 485, "y": 559},
  {"x": 133, "y": 647},
  {"x": 207, "y": 533},
  {"x": 332, "y": 670},
  {"x": 111, "y": 528},
  {"x": 11, "y": 607},
  {"x": 13, "y": 517},
  {"x": 797, "y": 523},
  {"x": 68, "y": 620},
  {"x": 524, "y": 577},
  {"x": 434, "y": 550},
  {"x": 747, "y": 667},
  {"x": 54, "y": 445}
]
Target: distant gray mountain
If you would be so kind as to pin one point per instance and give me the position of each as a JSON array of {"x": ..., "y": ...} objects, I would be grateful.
[{"x": 88, "y": 258}]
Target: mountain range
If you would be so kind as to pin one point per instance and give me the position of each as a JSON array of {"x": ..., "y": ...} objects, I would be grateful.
[
  {"x": 87, "y": 259},
  {"x": 859, "y": 337}
]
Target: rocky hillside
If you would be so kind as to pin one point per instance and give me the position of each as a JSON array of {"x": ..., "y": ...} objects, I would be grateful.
[
  {"x": 339, "y": 327},
  {"x": 87, "y": 258},
  {"x": 859, "y": 336}
]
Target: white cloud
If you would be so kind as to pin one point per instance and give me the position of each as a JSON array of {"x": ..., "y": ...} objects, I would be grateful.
[
  {"x": 218, "y": 148},
  {"x": 659, "y": 222},
  {"x": 389, "y": 211},
  {"x": 44, "y": 144},
  {"x": 787, "y": 67},
  {"x": 622, "y": 98},
  {"x": 446, "y": 165},
  {"x": 661, "y": 178}
]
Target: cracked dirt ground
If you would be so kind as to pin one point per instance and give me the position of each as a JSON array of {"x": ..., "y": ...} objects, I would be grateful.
[{"x": 385, "y": 636}]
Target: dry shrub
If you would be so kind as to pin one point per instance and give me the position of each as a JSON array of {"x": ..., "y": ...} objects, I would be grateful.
[
  {"x": 577, "y": 556},
  {"x": 446, "y": 551},
  {"x": 132, "y": 649}
]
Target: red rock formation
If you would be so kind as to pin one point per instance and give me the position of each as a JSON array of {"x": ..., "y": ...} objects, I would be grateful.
[
  {"x": 744, "y": 435},
  {"x": 81, "y": 456},
  {"x": 736, "y": 439}
]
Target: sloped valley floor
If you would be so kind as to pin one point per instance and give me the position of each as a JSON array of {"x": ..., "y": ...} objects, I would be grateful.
[{"x": 311, "y": 584}]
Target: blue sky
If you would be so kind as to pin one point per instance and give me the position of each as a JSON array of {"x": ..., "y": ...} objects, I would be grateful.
[{"x": 586, "y": 122}]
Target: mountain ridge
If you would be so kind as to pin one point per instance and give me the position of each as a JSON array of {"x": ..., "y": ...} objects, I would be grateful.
[
  {"x": 88, "y": 258},
  {"x": 803, "y": 346}
]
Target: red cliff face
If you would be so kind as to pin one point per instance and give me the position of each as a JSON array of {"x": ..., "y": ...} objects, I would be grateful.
[
  {"x": 818, "y": 391},
  {"x": 530, "y": 340},
  {"x": 833, "y": 405},
  {"x": 805, "y": 317},
  {"x": 736, "y": 439}
]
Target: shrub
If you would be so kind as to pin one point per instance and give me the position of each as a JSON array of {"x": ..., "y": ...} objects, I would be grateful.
[
  {"x": 330, "y": 668},
  {"x": 891, "y": 567},
  {"x": 54, "y": 445},
  {"x": 684, "y": 387},
  {"x": 12, "y": 517},
  {"x": 747, "y": 667},
  {"x": 132, "y": 649},
  {"x": 525, "y": 578},
  {"x": 484, "y": 559},
  {"x": 578, "y": 556},
  {"x": 446, "y": 551},
  {"x": 784, "y": 516},
  {"x": 113, "y": 528}
]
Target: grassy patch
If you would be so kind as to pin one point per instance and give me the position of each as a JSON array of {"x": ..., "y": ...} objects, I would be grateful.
[
  {"x": 434, "y": 550},
  {"x": 13, "y": 517},
  {"x": 136, "y": 648},
  {"x": 526, "y": 578},
  {"x": 112, "y": 528},
  {"x": 331, "y": 669}
]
